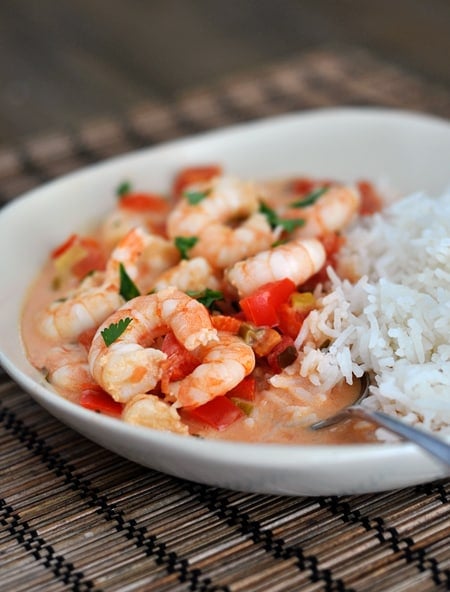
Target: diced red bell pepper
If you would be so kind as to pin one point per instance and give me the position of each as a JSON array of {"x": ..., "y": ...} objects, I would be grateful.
[
  {"x": 193, "y": 175},
  {"x": 246, "y": 389},
  {"x": 292, "y": 313},
  {"x": 63, "y": 247},
  {"x": 290, "y": 320},
  {"x": 88, "y": 255},
  {"x": 301, "y": 186},
  {"x": 180, "y": 362},
  {"x": 332, "y": 243},
  {"x": 218, "y": 413},
  {"x": 371, "y": 200},
  {"x": 261, "y": 307},
  {"x": 94, "y": 259},
  {"x": 95, "y": 398},
  {"x": 144, "y": 202},
  {"x": 85, "y": 338}
]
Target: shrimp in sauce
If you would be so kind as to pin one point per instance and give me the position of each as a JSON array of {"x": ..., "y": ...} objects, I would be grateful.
[
  {"x": 166, "y": 355},
  {"x": 296, "y": 260},
  {"x": 131, "y": 365},
  {"x": 96, "y": 298}
]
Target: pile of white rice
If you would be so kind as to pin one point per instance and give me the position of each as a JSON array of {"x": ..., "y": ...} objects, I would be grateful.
[{"x": 395, "y": 321}]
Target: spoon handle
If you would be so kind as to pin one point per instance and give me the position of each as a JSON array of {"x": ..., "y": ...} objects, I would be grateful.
[{"x": 435, "y": 446}]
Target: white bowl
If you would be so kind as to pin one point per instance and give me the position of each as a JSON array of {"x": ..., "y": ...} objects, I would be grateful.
[{"x": 408, "y": 151}]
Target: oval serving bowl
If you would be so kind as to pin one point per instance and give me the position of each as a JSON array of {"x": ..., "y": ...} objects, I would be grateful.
[{"x": 407, "y": 151}]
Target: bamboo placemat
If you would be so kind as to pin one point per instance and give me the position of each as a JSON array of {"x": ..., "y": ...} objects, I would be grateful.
[{"x": 77, "y": 517}]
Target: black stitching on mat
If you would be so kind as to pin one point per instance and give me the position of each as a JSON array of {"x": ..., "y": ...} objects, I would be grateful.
[
  {"x": 401, "y": 545},
  {"x": 431, "y": 488},
  {"x": 28, "y": 538},
  {"x": 150, "y": 544},
  {"x": 276, "y": 546}
]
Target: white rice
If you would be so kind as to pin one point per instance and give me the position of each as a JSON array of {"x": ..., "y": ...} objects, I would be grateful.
[{"x": 395, "y": 320}]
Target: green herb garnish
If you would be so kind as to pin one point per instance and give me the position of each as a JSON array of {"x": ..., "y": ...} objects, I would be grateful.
[
  {"x": 195, "y": 197},
  {"x": 184, "y": 244},
  {"x": 206, "y": 297},
  {"x": 115, "y": 330},
  {"x": 123, "y": 189},
  {"x": 128, "y": 289},
  {"x": 274, "y": 220},
  {"x": 309, "y": 199},
  {"x": 278, "y": 243}
]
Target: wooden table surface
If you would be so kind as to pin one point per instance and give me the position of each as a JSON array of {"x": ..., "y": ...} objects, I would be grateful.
[{"x": 62, "y": 62}]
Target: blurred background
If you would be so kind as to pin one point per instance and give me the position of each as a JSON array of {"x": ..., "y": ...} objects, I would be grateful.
[{"x": 63, "y": 62}]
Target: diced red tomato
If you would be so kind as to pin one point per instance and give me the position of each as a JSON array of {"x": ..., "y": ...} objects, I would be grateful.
[
  {"x": 63, "y": 247},
  {"x": 95, "y": 398},
  {"x": 332, "y": 243},
  {"x": 290, "y": 321},
  {"x": 261, "y": 307},
  {"x": 246, "y": 389},
  {"x": 218, "y": 413},
  {"x": 282, "y": 354},
  {"x": 144, "y": 202},
  {"x": 301, "y": 186},
  {"x": 192, "y": 175},
  {"x": 85, "y": 338},
  {"x": 180, "y": 362},
  {"x": 226, "y": 323},
  {"x": 292, "y": 313},
  {"x": 94, "y": 259},
  {"x": 371, "y": 200},
  {"x": 81, "y": 255}
]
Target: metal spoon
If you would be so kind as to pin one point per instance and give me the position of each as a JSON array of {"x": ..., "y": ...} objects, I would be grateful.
[{"x": 432, "y": 444}]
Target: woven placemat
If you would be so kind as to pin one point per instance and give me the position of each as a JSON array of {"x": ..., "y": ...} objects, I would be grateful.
[{"x": 77, "y": 517}]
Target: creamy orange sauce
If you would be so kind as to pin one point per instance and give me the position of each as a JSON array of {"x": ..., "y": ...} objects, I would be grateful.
[{"x": 277, "y": 418}]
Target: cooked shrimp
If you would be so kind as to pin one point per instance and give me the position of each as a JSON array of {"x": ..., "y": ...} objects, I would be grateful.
[
  {"x": 65, "y": 320},
  {"x": 223, "y": 365},
  {"x": 297, "y": 260},
  {"x": 67, "y": 367},
  {"x": 223, "y": 245},
  {"x": 189, "y": 275},
  {"x": 152, "y": 412},
  {"x": 226, "y": 199},
  {"x": 96, "y": 298},
  {"x": 145, "y": 256},
  {"x": 130, "y": 365},
  {"x": 332, "y": 212}
]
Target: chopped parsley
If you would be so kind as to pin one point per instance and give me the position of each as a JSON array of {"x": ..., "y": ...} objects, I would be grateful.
[
  {"x": 128, "y": 288},
  {"x": 274, "y": 220},
  {"x": 184, "y": 244},
  {"x": 195, "y": 197},
  {"x": 115, "y": 330},
  {"x": 309, "y": 199},
  {"x": 123, "y": 189},
  {"x": 206, "y": 297}
]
